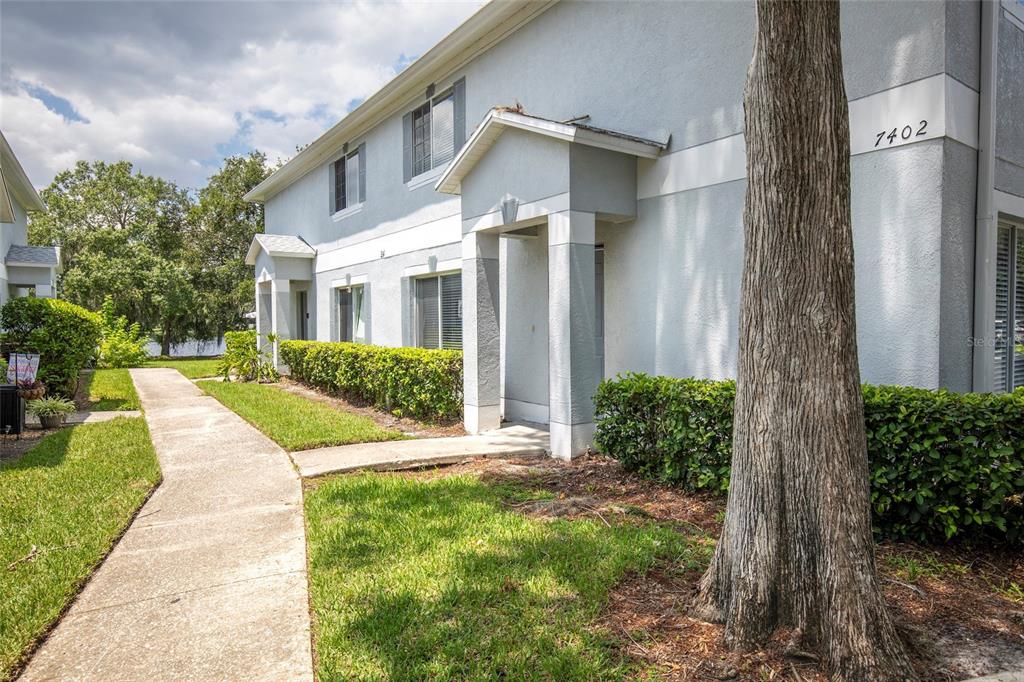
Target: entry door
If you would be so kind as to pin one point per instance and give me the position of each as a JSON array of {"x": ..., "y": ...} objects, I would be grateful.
[
  {"x": 303, "y": 317},
  {"x": 599, "y": 308}
]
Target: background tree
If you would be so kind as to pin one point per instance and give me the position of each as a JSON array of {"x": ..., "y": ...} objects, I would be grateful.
[
  {"x": 120, "y": 233},
  {"x": 796, "y": 550},
  {"x": 173, "y": 265},
  {"x": 223, "y": 227}
]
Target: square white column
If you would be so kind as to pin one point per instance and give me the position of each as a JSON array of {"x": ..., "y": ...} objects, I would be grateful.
[
  {"x": 572, "y": 329},
  {"x": 280, "y": 315},
  {"x": 481, "y": 345}
]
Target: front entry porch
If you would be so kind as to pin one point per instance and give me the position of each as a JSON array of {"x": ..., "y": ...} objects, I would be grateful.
[
  {"x": 527, "y": 179},
  {"x": 284, "y": 292}
]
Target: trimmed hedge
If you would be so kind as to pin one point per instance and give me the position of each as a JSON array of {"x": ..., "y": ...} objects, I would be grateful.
[
  {"x": 942, "y": 464},
  {"x": 409, "y": 382},
  {"x": 63, "y": 334}
]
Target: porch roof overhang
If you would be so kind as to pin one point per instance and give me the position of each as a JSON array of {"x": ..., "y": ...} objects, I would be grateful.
[
  {"x": 47, "y": 257},
  {"x": 500, "y": 119},
  {"x": 279, "y": 245}
]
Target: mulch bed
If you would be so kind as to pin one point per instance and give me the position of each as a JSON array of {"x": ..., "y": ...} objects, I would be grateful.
[
  {"x": 410, "y": 427},
  {"x": 954, "y": 606},
  {"x": 13, "y": 447}
]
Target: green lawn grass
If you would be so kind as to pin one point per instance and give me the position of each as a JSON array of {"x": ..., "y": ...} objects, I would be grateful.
[
  {"x": 294, "y": 422},
  {"x": 192, "y": 368},
  {"x": 69, "y": 497},
  {"x": 413, "y": 579},
  {"x": 111, "y": 389}
]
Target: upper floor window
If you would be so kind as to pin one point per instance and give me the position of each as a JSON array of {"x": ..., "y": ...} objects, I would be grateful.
[
  {"x": 435, "y": 131},
  {"x": 348, "y": 180}
]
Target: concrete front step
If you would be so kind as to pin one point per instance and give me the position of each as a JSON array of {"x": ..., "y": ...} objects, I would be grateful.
[{"x": 512, "y": 441}]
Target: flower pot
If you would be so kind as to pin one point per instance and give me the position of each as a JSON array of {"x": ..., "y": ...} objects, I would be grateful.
[
  {"x": 32, "y": 393},
  {"x": 51, "y": 421}
]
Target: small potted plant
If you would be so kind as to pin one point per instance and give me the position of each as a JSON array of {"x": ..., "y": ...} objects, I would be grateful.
[
  {"x": 51, "y": 411},
  {"x": 31, "y": 389}
]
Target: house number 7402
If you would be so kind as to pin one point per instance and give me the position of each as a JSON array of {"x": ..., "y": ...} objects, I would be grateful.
[{"x": 904, "y": 133}]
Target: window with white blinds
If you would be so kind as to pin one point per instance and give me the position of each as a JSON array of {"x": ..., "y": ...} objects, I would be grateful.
[
  {"x": 439, "y": 311},
  {"x": 451, "y": 311},
  {"x": 442, "y": 134},
  {"x": 1009, "y": 332}
]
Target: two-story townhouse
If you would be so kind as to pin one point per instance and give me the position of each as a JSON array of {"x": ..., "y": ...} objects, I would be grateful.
[
  {"x": 557, "y": 188},
  {"x": 25, "y": 269}
]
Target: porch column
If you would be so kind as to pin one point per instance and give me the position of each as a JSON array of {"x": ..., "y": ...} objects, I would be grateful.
[
  {"x": 480, "y": 340},
  {"x": 572, "y": 350},
  {"x": 280, "y": 314}
]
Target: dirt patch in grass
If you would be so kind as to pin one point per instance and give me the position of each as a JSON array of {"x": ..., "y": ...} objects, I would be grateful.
[
  {"x": 13, "y": 447},
  {"x": 959, "y": 609},
  {"x": 409, "y": 427}
]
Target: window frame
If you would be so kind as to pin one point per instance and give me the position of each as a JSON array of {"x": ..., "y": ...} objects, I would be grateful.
[
  {"x": 417, "y": 309},
  {"x": 355, "y": 313},
  {"x": 1014, "y": 326},
  {"x": 418, "y": 114},
  {"x": 342, "y": 162}
]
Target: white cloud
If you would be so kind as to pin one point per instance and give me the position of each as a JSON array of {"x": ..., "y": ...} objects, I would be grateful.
[{"x": 171, "y": 86}]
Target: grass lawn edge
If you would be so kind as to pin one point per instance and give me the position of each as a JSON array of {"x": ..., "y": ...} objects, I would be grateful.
[{"x": 19, "y": 665}]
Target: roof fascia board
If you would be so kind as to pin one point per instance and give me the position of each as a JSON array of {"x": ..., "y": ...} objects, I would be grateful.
[
  {"x": 18, "y": 180},
  {"x": 490, "y": 25}
]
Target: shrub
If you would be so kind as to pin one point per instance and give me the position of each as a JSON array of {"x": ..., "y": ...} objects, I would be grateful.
[
  {"x": 63, "y": 334},
  {"x": 942, "y": 465},
  {"x": 50, "y": 407},
  {"x": 413, "y": 382},
  {"x": 244, "y": 361},
  {"x": 121, "y": 344}
]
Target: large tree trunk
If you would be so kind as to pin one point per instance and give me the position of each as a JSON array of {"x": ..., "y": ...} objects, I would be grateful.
[
  {"x": 796, "y": 550},
  {"x": 165, "y": 339}
]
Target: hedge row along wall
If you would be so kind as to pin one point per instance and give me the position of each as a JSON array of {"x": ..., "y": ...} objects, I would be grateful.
[
  {"x": 410, "y": 382},
  {"x": 63, "y": 334},
  {"x": 942, "y": 464}
]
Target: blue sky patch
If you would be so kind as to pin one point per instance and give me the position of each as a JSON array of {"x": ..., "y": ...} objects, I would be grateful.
[{"x": 55, "y": 103}]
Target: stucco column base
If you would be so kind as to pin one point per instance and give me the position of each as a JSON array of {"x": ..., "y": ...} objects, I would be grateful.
[
  {"x": 570, "y": 440},
  {"x": 480, "y": 418},
  {"x": 481, "y": 342}
]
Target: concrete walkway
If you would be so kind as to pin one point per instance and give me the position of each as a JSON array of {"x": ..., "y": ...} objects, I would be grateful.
[
  {"x": 88, "y": 416},
  {"x": 209, "y": 582},
  {"x": 512, "y": 441}
]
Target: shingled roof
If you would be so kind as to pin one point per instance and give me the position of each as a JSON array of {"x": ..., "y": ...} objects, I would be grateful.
[{"x": 48, "y": 256}]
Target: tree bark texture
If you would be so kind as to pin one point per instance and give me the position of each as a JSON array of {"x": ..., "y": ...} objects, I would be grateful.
[{"x": 796, "y": 551}]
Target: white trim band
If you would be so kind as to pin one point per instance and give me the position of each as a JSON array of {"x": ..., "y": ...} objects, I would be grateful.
[{"x": 928, "y": 109}]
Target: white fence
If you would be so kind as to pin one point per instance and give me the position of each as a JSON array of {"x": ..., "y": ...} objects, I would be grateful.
[{"x": 190, "y": 348}]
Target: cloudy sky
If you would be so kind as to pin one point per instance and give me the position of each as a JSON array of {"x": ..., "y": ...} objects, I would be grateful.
[{"x": 174, "y": 86}]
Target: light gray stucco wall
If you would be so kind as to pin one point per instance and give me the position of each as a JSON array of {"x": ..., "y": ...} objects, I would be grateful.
[
  {"x": 602, "y": 181},
  {"x": 672, "y": 276},
  {"x": 11, "y": 233},
  {"x": 390, "y": 313},
  {"x": 524, "y": 315},
  {"x": 963, "y": 35},
  {"x": 1010, "y": 109},
  {"x": 500, "y": 172},
  {"x": 956, "y": 319}
]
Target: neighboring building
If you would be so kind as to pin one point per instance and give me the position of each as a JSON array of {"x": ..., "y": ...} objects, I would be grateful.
[
  {"x": 26, "y": 269},
  {"x": 598, "y": 228}
]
